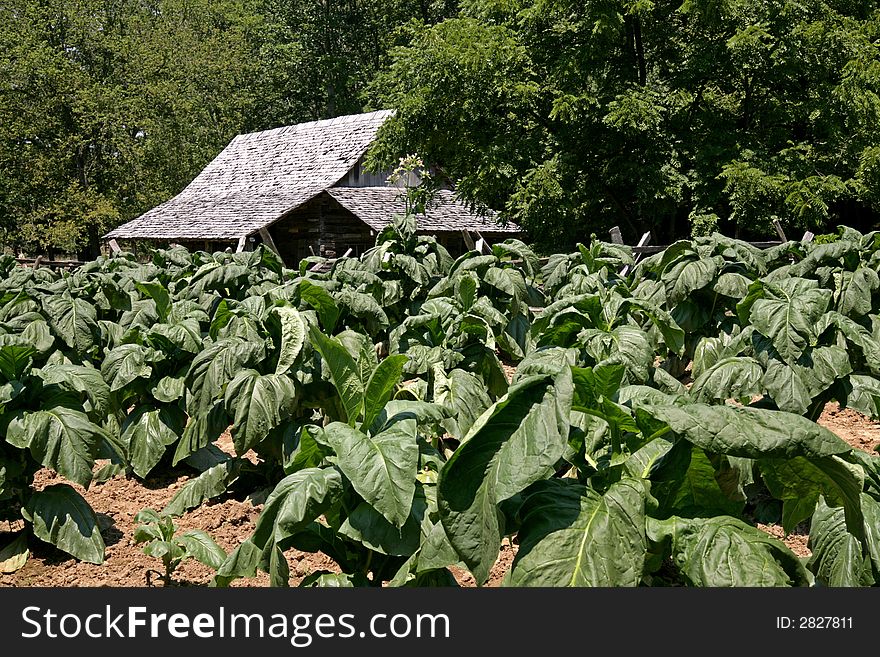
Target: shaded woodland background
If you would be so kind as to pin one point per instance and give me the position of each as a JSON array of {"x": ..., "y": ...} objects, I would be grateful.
[{"x": 569, "y": 116}]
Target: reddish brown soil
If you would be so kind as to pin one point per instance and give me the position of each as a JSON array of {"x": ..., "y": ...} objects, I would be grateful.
[
  {"x": 117, "y": 502},
  {"x": 853, "y": 427},
  {"x": 230, "y": 521}
]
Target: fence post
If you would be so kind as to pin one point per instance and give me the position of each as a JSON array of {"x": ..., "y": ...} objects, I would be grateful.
[
  {"x": 616, "y": 237},
  {"x": 482, "y": 244},
  {"x": 778, "y": 226},
  {"x": 642, "y": 242}
]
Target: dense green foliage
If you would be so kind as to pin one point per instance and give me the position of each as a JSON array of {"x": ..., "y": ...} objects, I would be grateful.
[
  {"x": 108, "y": 109},
  {"x": 658, "y": 409},
  {"x": 664, "y": 115},
  {"x": 570, "y": 117}
]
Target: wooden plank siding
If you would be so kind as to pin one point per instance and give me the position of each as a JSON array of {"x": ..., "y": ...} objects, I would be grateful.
[
  {"x": 330, "y": 230},
  {"x": 325, "y": 226}
]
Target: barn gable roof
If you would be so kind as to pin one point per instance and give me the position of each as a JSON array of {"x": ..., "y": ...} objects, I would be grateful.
[{"x": 260, "y": 177}]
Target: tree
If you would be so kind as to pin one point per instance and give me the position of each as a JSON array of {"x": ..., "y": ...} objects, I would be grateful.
[
  {"x": 575, "y": 116},
  {"x": 110, "y": 108},
  {"x": 107, "y": 109}
]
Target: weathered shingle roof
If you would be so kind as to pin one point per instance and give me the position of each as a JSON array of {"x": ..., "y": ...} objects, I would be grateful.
[
  {"x": 376, "y": 205},
  {"x": 257, "y": 178},
  {"x": 261, "y": 176}
]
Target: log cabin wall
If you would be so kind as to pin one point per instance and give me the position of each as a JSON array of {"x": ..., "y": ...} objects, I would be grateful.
[{"x": 325, "y": 226}]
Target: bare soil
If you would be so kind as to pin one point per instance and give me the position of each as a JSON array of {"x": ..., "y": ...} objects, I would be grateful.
[
  {"x": 230, "y": 521},
  {"x": 117, "y": 502}
]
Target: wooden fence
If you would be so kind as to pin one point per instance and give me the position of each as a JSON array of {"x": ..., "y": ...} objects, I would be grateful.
[
  {"x": 41, "y": 261},
  {"x": 643, "y": 247}
]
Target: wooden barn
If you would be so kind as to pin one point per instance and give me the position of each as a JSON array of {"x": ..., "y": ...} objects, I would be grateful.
[{"x": 301, "y": 190}]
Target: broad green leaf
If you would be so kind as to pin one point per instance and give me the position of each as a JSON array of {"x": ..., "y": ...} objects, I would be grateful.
[
  {"x": 169, "y": 389},
  {"x": 788, "y": 318},
  {"x": 202, "y": 430},
  {"x": 786, "y": 387},
  {"x": 85, "y": 380},
  {"x": 695, "y": 275},
  {"x": 74, "y": 320},
  {"x": 436, "y": 550},
  {"x": 412, "y": 268},
  {"x": 424, "y": 413},
  {"x": 516, "y": 442},
  {"x": 15, "y": 360},
  {"x": 319, "y": 299},
  {"x": 14, "y": 555},
  {"x": 295, "y": 502},
  {"x": 184, "y": 335},
  {"x": 370, "y": 528},
  {"x": 209, "y": 484},
  {"x": 853, "y": 295},
  {"x": 546, "y": 361},
  {"x": 60, "y": 438},
  {"x": 38, "y": 334},
  {"x": 125, "y": 364},
  {"x": 590, "y": 383},
  {"x": 258, "y": 403},
  {"x": 641, "y": 462},
  {"x": 730, "y": 378},
  {"x": 819, "y": 368},
  {"x": 241, "y": 562},
  {"x": 464, "y": 395},
  {"x": 327, "y": 580},
  {"x": 279, "y": 569},
  {"x": 732, "y": 284},
  {"x": 202, "y": 547},
  {"x": 799, "y": 482},
  {"x": 725, "y": 552},
  {"x": 214, "y": 367},
  {"x": 748, "y": 432},
  {"x": 623, "y": 343},
  {"x": 836, "y": 558},
  {"x": 61, "y": 516},
  {"x": 586, "y": 306},
  {"x": 382, "y": 467},
  {"x": 667, "y": 383},
  {"x": 871, "y": 513},
  {"x": 293, "y": 335},
  {"x": 380, "y": 387},
  {"x": 708, "y": 351},
  {"x": 865, "y": 395},
  {"x": 307, "y": 452},
  {"x": 343, "y": 372},
  {"x": 362, "y": 350},
  {"x": 466, "y": 289},
  {"x": 573, "y": 536},
  {"x": 673, "y": 335},
  {"x": 147, "y": 432},
  {"x": 697, "y": 492},
  {"x": 157, "y": 292},
  {"x": 207, "y": 457},
  {"x": 363, "y": 306}
]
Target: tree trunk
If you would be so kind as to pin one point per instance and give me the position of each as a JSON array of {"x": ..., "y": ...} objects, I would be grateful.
[{"x": 640, "y": 51}]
